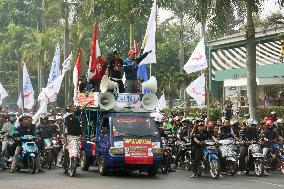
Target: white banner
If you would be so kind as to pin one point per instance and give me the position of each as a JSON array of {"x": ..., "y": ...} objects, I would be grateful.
[
  {"x": 28, "y": 90},
  {"x": 3, "y": 93},
  {"x": 198, "y": 60},
  {"x": 197, "y": 90},
  {"x": 162, "y": 104},
  {"x": 55, "y": 66},
  {"x": 41, "y": 110},
  {"x": 149, "y": 42}
]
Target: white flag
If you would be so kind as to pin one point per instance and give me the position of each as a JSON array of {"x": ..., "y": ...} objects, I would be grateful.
[
  {"x": 41, "y": 110},
  {"x": 51, "y": 91},
  {"x": 198, "y": 60},
  {"x": 55, "y": 66},
  {"x": 28, "y": 90},
  {"x": 20, "y": 101},
  {"x": 66, "y": 65},
  {"x": 162, "y": 104},
  {"x": 3, "y": 93},
  {"x": 149, "y": 42},
  {"x": 197, "y": 90}
]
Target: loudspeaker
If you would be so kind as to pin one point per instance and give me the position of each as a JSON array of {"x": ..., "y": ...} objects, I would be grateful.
[
  {"x": 150, "y": 101},
  {"x": 151, "y": 84},
  {"x": 107, "y": 84},
  {"x": 106, "y": 101}
]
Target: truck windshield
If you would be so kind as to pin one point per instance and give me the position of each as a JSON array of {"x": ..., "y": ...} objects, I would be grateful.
[{"x": 134, "y": 126}]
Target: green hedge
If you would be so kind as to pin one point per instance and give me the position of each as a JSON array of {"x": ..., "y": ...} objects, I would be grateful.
[{"x": 216, "y": 113}]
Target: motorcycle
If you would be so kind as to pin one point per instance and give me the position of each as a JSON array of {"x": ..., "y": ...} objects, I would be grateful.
[
  {"x": 47, "y": 153},
  {"x": 6, "y": 159},
  {"x": 254, "y": 159},
  {"x": 282, "y": 159},
  {"x": 166, "y": 163},
  {"x": 210, "y": 161},
  {"x": 275, "y": 158},
  {"x": 27, "y": 158},
  {"x": 229, "y": 154},
  {"x": 71, "y": 155},
  {"x": 186, "y": 154},
  {"x": 2, "y": 161}
]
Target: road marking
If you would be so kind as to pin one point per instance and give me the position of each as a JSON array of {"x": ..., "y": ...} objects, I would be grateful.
[{"x": 269, "y": 183}]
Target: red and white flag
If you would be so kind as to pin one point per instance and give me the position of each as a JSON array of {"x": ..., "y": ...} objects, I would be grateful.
[
  {"x": 137, "y": 51},
  {"x": 76, "y": 74},
  {"x": 198, "y": 60},
  {"x": 197, "y": 90}
]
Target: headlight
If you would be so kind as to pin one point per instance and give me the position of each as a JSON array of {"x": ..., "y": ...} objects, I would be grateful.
[
  {"x": 116, "y": 151},
  {"x": 157, "y": 151}
]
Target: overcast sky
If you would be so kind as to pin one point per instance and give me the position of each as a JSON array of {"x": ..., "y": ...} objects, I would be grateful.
[{"x": 269, "y": 6}]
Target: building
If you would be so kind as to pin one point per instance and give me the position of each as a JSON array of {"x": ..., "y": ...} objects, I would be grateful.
[{"x": 227, "y": 67}]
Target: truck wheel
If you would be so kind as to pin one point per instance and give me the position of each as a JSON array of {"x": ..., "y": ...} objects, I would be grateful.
[
  {"x": 152, "y": 171},
  {"x": 84, "y": 163},
  {"x": 102, "y": 166}
]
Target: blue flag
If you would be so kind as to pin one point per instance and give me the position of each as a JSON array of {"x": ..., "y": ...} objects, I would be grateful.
[{"x": 143, "y": 73}]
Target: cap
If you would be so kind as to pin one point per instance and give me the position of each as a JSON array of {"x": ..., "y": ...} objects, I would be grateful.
[
  {"x": 131, "y": 52},
  {"x": 58, "y": 117}
]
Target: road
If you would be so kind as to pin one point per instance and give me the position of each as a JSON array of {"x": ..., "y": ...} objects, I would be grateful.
[{"x": 55, "y": 179}]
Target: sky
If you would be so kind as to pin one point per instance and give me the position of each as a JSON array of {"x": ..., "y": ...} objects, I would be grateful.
[{"x": 269, "y": 6}]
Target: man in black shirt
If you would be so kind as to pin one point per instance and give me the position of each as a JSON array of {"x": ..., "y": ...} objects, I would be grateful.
[
  {"x": 72, "y": 122},
  {"x": 199, "y": 137},
  {"x": 115, "y": 70},
  {"x": 226, "y": 131}
]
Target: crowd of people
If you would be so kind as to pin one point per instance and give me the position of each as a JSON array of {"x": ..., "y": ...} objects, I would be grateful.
[
  {"x": 114, "y": 68},
  {"x": 268, "y": 132}
]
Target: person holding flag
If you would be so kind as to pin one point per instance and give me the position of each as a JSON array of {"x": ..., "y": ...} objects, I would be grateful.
[{"x": 130, "y": 68}]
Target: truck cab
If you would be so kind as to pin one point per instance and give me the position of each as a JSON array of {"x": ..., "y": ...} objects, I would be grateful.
[{"x": 128, "y": 141}]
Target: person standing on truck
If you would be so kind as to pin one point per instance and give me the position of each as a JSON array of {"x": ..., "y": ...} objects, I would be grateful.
[
  {"x": 115, "y": 70},
  {"x": 130, "y": 68}
]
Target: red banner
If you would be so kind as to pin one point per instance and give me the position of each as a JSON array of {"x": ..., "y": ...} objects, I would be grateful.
[{"x": 138, "y": 151}]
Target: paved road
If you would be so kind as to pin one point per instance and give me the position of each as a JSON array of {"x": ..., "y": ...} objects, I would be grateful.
[{"x": 55, "y": 179}]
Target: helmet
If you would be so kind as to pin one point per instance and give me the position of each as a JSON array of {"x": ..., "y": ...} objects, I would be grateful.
[
  {"x": 131, "y": 52},
  {"x": 273, "y": 113},
  {"x": 247, "y": 116},
  {"x": 58, "y": 117},
  {"x": 269, "y": 122},
  {"x": 280, "y": 121},
  {"x": 51, "y": 118},
  {"x": 252, "y": 122}
]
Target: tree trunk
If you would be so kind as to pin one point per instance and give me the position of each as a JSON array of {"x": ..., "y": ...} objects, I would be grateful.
[
  {"x": 251, "y": 60},
  {"x": 66, "y": 54},
  {"x": 181, "y": 44}
]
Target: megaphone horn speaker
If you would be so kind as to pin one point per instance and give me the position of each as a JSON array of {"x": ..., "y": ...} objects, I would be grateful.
[
  {"x": 107, "y": 84},
  {"x": 151, "y": 84},
  {"x": 150, "y": 101},
  {"x": 106, "y": 101}
]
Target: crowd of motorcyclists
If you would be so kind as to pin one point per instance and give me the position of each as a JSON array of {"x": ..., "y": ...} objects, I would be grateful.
[
  {"x": 201, "y": 145},
  {"x": 236, "y": 147}
]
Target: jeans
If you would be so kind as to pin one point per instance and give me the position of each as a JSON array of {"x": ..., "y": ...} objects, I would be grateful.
[{"x": 197, "y": 158}]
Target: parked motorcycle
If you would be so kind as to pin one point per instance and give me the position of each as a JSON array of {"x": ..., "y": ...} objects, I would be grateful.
[
  {"x": 71, "y": 153},
  {"x": 229, "y": 154},
  {"x": 254, "y": 159},
  {"x": 186, "y": 158},
  {"x": 27, "y": 158},
  {"x": 210, "y": 161}
]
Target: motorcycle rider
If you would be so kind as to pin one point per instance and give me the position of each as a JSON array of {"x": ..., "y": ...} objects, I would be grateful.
[
  {"x": 226, "y": 131},
  {"x": 26, "y": 128},
  {"x": 8, "y": 129},
  {"x": 269, "y": 138},
  {"x": 249, "y": 133},
  {"x": 183, "y": 131},
  {"x": 199, "y": 137}
]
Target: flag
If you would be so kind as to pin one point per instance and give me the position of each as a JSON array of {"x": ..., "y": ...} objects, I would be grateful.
[
  {"x": 50, "y": 92},
  {"x": 20, "y": 101},
  {"x": 76, "y": 74},
  {"x": 55, "y": 66},
  {"x": 162, "y": 103},
  {"x": 41, "y": 110},
  {"x": 135, "y": 45},
  {"x": 94, "y": 50},
  {"x": 198, "y": 60},
  {"x": 197, "y": 90},
  {"x": 142, "y": 73},
  {"x": 149, "y": 42},
  {"x": 28, "y": 90},
  {"x": 3, "y": 93}
]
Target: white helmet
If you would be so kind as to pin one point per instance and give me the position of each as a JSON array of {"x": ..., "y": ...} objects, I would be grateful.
[
  {"x": 279, "y": 121},
  {"x": 252, "y": 122}
]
